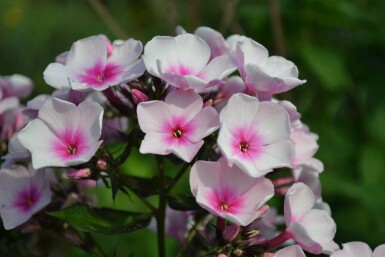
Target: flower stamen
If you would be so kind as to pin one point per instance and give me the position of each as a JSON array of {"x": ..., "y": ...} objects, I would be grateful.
[
  {"x": 244, "y": 147},
  {"x": 177, "y": 133},
  {"x": 71, "y": 149}
]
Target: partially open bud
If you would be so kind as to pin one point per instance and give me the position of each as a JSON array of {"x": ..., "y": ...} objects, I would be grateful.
[
  {"x": 230, "y": 232},
  {"x": 222, "y": 255},
  {"x": 138, "y": 96}
]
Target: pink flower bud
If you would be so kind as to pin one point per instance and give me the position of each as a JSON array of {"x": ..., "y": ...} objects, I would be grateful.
[
  {"x": 230, "y": 232},
  {"x": 102, "y": 165},
  {"x": 222, "y": 255},
  {"x": 138, "y": 96},
  {"x": 78, "y": 174}
]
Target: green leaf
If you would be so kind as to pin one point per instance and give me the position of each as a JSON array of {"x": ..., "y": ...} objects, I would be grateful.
[
  {"x": 102, "y": 220},
  {"x": 183, "y": 203}
]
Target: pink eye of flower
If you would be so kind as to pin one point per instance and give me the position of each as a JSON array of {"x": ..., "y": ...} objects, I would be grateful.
[
  {"x": 177, "y": 133},
  {"x": 243, "y": 146},
  {"x": 100, "y": 78},
  {"x": 224, "y": 207},
  {"x": 71, "y": 149}
]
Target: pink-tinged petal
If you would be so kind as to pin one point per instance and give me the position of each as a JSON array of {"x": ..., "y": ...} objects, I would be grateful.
[
  {"x": 8, "y": 103},
  {"x": 218, "y": 68},
  {"x": 277, "y": 66},
  {"x": 231, "y": 115},
  {"x": 87, "y": 52},
  {"x": 308, "y": 177},
  {"x": 40, "y": 147},
  {"x": 330, "y": 247},
  {"x": 185, "y": 103},
  {"x": 301, "y": 237},
  {"x": 319, "y": 226},
  {"x": 305, "y": 145},
  {"x": 153, "y": 116},
  {"x": 23, "y": 193},
  {"x": 58, "y": 76},
  {"x": 272, "y": 123},
  {"x": 204, "y": 176},
  {"x": 257, "y": 80},
  {"x": 90, "y": 119},
  {"x": 275, "y": 155},
  {"x": 49, "y": 114},
  {"x": 199, "y": 85},
  {"x": 253, "y": 51},
  {"x": 214, "y": 40},
  {"x": 181, "y": 83},
  {"x": 154, "y": 143},
  {"x": 290, "y": 251},
  {"x": 299, "y": 201},
  {"x": 21, "y": 85},
  {"x": 192, "y": 52},
  {"x": 131, "y": 72},
  {"x": 160, "y": 51},
  {"x": 205, "y": 123},
  {"x": 125, "y": 54},
  {"x": 186, "y": 150},
  {"x": 354, "y": 249},
  {"x": 228, "y": 192},
  {"x": 291, "y": 109},
  {"x": 379, "y": 251}
]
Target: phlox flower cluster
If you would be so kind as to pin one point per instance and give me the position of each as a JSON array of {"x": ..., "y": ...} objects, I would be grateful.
[{"x": 205, "y": 103}]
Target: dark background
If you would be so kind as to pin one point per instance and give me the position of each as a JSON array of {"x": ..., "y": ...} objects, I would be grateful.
[{"x": 338, "y": 46}]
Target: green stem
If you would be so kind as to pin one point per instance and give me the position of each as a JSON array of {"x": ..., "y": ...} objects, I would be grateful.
[{"x": 161, "y": 212}]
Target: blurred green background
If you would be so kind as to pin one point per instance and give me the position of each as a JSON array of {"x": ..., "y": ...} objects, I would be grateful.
[{"x": 338, "y": 46}]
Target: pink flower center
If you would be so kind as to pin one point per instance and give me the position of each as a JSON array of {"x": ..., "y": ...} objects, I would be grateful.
[
  {"x": 243, "y": 146},
  {"x": 224, "y": 206},
  {"x": 71, "y": 149},
  {"x": 27, "y": 199},
  {"x": 177, "y": 133},
  {"x": 69, "y": 144},
  {"x": 180, "y": 69},
  {"x": 246, "y": 143},
  {"x": 100, "y": 74}
]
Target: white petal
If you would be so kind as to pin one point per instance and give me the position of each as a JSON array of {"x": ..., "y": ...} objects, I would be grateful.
[
  {"x": 379, "y": 251},
  {"x": 290, "y": 251},
  {"x": 276, "y": 155},
  {"x": 58, "y": 76},
  {"x": 214, "y": 40},
  {"x": 239, "y": 111},
  {"x": 301, "y": 237},
  {"x": 192, "y": 51},
  {"x": 153, "y": 116},
  {"x": 40, "y": 146},
  {"x": 184, "y": 103},
  {"x": 59, "y": 115},
  {"x": 206, "y": 122},
  {"x": 126, "y": 53},
  {"x": 299, "y": 200},
  {"x": 85, "y": 53},
  {"x": 272, "y": 123},
  {"x": 319, "y": 225},
  {"x": 218, "y": 68}
]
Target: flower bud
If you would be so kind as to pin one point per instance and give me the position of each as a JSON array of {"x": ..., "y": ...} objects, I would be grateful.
[
  {"x": 238, "y": 252},
  {"x": 102, "y": 165},
  {"x": 222, "y": 255},
  {"x": 78, "y": 174},
  {"x": 138, "y": 96},
  {"x": 230, "y": 232}
]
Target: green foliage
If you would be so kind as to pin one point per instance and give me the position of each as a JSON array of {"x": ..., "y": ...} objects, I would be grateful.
[{"x": 102, "y": 220}]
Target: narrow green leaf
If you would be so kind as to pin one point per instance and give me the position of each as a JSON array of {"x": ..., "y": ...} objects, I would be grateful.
[{"x": 102, "y": 220}]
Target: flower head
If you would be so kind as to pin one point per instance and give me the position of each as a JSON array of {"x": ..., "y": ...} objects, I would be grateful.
[
  {"x": 89, "y": 66},
  {"x": 254, "y": 135},
  {"x": 63, "y": 134},
  {"x": 184, "y": 62},
  {"x": 23, "y": 192},
  {"x": 176, "y": 125},
  {"x": 228, "y": 192}
]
